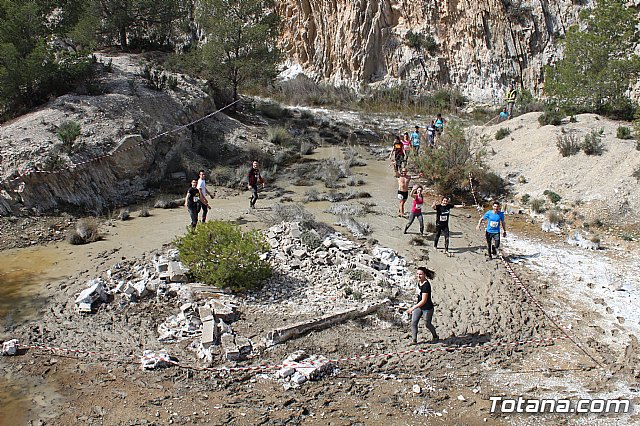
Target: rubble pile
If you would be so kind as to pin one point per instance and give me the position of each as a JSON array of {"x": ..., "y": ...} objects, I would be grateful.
[
  {"x": 330, "y": 277},
  {"x": 134, "y": 282},
  {"x": 300, "y": 367}
]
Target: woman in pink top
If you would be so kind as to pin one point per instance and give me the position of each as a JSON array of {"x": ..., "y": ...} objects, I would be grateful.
[
  {"x": 406, "y": 145},
  {"x": 416, "y": 210}
]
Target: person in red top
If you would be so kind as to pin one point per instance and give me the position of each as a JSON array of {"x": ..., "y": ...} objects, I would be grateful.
[
  {"x": 254, "y": 178},
  {"x": 416, "y": 210}
]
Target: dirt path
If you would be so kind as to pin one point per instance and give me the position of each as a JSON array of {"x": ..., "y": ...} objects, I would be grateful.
[{"x": 477, "y": 303}]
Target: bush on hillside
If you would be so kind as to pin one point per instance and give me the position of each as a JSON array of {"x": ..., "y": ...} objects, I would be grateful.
[
  {"x": 551, "y": 116},
  {"x": 552, "y": 196},
  {"x": 592, "y": 143},
  {"x": 86, "y": 232},
  {"x": 68, "y": 132},
  {"x": 624, "y": 132},
  {"x": 568, "y": 144},
  {"x": 537, "y": 205},
  {"x": 502, "y": 133},
  {"x": 221, "y": 254},
  {"x": 279, "y": 136}
]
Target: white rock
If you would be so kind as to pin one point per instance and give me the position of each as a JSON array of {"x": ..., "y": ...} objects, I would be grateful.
[{"x": 10, "y": 347}]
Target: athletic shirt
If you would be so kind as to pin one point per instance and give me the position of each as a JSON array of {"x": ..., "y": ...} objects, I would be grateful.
[
  {"x": 431, "y": 129},
  {"x": 406, "y": 145},
  {"x": 415, "y": 139},
  {"x": 442, "y": 214},
  {"x": 425, "y": 287},
  {"x": 192, "y": 197},
  {"x": 439, "y": 124},
  {"x": 417, "y": 204},
  {"x": 493, "y": 221},
  {"x": 398, "y": 149},
  {"x": 202, "y": 186}
]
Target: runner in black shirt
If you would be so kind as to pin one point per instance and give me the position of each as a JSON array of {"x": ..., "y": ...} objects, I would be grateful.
[
  {"x": 443, "y": 211},
  {"x": 424, "y": 305},
  {"x": 192, "y": 202}
]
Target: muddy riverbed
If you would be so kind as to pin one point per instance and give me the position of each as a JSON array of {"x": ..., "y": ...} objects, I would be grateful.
[{"x": 477, "y": 303}]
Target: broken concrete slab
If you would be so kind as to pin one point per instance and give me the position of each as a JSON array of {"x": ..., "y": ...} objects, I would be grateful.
[
  {"x": 10, "y": 347},
  {"x": 209, "y": 333},
  {"x": 96, "y": 291},
  {"x": 285, "y": 333},
  {"x": 152, "y": 360}
]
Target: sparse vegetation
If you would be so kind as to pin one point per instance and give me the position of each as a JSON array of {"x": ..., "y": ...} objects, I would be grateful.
[
  {"x": 144, "y": 211},
  {"x": 522, "y": 179},
  {"x": 125, "y": 214},
  {"x": 220, "y": 254},
  {"x": 551, "y": 115},
  {"x": 68, "y": 132},
  {"x": 290, "y": 213},
  {"x": 525, "y": 199},
  {"x": 86, "y": 231},
  {"x": 502, "y": 133},
  {"x": 636, "y": 174},
  {"x": 311, "y": 239},
  {"x": 592, "y": 143},
  {"x": 278, "y": 135},
  {"x": 624, "y": 132},
  {"x": 157, "y": 79},
  {"x": 552, "y": 196},
  {"x": 568, "y": 144},
  {"x": 306, "y": 147},
  {"x": 421, "y": 42},
  {"x": 554, "y": 217},
  {"x": 537, "y": 205}
]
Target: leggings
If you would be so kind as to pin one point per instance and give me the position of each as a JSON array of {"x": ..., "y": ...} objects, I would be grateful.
[
  {"x": 205, "y": 208},
  {"x": 495, "y": 237},
  {"x": 412, "y": 216},
  {"x": 193, "y": 213},
  {"x": 444, "y": 230},
  {"x": 415, "y": 319}
]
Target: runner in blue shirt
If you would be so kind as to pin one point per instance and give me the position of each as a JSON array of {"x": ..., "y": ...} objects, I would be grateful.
[
  {"x": 415, "y": 140},
  {"x": 494, "y": 218}
]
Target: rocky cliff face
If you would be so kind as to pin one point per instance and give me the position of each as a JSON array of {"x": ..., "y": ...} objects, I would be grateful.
[{"x": 481, "y": 44}]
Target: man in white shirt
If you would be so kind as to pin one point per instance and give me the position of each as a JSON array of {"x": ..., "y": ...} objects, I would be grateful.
[{"x": 202, "y": 188}]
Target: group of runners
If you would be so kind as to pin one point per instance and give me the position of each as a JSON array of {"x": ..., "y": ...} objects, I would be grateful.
[
  {"x": 408, "y": 144},
  {"x": 197, "y": 198}
]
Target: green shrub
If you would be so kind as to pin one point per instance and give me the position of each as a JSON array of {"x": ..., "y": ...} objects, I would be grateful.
[
  {"x": 525, "y": 198},
  {"x": 68, "y": 132},
  {"x": 553, "y": 197},
  {"x": 551, "y": 116},
  {"x": 144, "y": 211},
  {"x": 272, "y": 110},
  {"x": 573, "y": 119},
  {"x": 157, "y": 79},
  {"x": 502, "y": 133},
  {"x": 420, "y": 41},
  {"x": 310, "y": 239},
  {"x": 568, "y": 144},
  {"x": 592, "y": 143},
  {"x": 219, "y": 253},
  {"x": 624, "y": 132},
  {"x": 537, "y": 205},
  {"x": 554, "y": 217}
]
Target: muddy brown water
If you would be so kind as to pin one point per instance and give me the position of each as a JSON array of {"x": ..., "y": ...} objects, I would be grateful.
[{"x": 27, "y": 276}]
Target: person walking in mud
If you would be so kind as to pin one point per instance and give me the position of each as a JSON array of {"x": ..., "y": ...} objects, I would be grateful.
[
  {"x": 415, "y": 141},
  {"x": 202, "y": 189},
  {"x": 192, "y": 202},
  {"x": 416, "y": 209},
  {"x": 403, "y": 188},
  {"x": 254, "y": 178},
  {"x": 494, "y": 218},
  {"x": 398, "y": 159},
  {"x": 443, "y": 210},
  {"x": 424, "y": 306}
]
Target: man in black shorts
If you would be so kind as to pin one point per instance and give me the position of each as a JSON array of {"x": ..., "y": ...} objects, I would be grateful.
[
  {"x": 443, "y": 211},
  {"x": 192, "y": 202}
]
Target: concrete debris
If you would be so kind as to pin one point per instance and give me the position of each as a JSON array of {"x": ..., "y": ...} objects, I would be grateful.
[
  {"x": 10, "y": 347},
  {"x": 551, "y": 227},
  {"x": 151, "y": 360},
  {"x": 300, "y": 367},
  {"x": 236, "y": 347},
  {"x": 96, "y": 290},
  {"x": 282, "y": 334},
  {"x": 576, "y": 239}
]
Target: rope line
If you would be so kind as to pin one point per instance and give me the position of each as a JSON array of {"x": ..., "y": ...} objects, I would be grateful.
[
  {"x": 29, "y": 170},
  {"x": 530, "y": 296},
  {"x": 266, "y": 367}
]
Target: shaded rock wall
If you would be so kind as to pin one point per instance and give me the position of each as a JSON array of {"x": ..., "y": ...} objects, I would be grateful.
[{"x": 482, "y": 44}]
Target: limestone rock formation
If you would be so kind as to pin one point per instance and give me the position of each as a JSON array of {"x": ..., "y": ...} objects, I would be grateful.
[{"x": 481, "y": 44}]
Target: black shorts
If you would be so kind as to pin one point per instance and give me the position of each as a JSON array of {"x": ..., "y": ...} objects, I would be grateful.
[{"x": 403, "y": 194}]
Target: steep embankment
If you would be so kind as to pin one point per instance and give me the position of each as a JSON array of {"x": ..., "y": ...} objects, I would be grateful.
[
  {"x": 597, "y": 186},
  {"x": 120, "y": 153}
]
